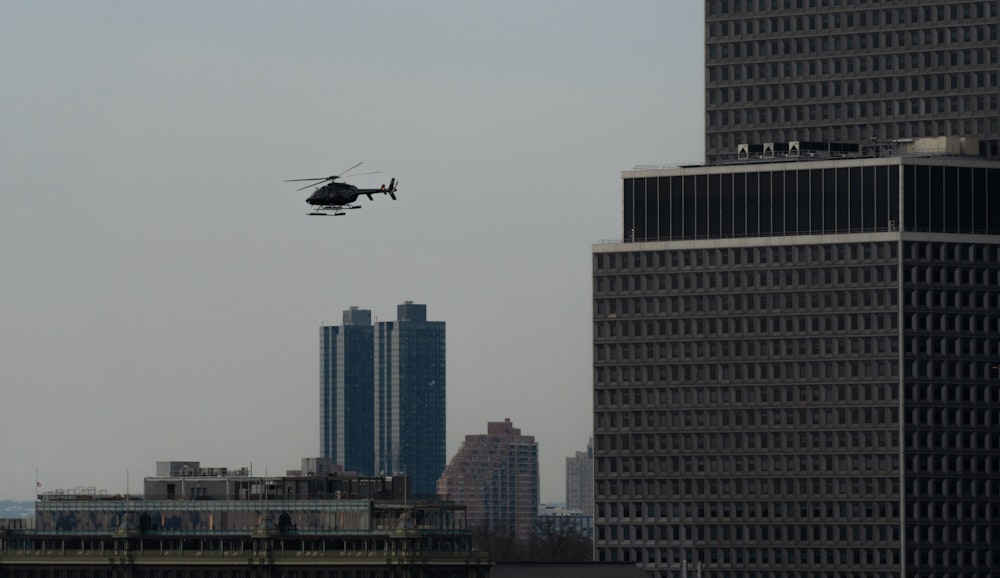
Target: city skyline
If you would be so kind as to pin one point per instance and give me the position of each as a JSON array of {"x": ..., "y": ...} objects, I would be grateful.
[{"x": 163, "y": 287}]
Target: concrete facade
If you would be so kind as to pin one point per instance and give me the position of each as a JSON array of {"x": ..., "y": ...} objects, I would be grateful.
[
  {"x": 848, "y": 72},
  {"x": 801, "y": 384}
]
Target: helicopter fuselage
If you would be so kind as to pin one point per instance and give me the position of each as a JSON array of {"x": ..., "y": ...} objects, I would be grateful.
[{"x": 334, "y": 194}]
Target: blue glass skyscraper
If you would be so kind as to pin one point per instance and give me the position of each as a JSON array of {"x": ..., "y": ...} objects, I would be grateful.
[
  {"x": 410, "y": 397},
  {"x": 382, "y": 395},
  {"x": 347, "y": 392}
]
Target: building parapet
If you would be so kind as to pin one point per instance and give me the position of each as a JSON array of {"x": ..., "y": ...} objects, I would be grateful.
[{"x": 872, "y": 148}]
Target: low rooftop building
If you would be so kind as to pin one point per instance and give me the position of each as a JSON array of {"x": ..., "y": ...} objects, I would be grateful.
[{"x": 212, "y": 520}]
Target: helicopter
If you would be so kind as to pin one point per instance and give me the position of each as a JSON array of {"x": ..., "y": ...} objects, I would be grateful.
[{"x": 337, "y": 197}]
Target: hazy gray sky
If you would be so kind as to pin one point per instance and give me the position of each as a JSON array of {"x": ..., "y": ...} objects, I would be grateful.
[{"x": 162, "y": 288}]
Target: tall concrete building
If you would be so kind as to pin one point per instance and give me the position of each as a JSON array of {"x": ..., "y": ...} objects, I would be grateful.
[
  {"x": 496, "y": 477},
  {"x": 409, "y": 401},
  {"x": 845, "y": 71},
  {"x": 347, "y": 392},
  {"x": 795, "y": 367},
  {"x": 795, "y": 356},
  {"x": 580, "y": 481}
]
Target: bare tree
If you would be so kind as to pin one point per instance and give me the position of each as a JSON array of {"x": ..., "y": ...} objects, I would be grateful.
[{"x": 557, "y": 539}]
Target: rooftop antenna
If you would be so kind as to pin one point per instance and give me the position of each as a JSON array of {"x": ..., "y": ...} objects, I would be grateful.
[
  {"x": 128, "y": 504},
  {"x": 267, "y": 509}
]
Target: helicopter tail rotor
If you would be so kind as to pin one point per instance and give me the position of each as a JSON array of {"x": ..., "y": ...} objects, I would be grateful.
[{"x": 392, "y": 189}]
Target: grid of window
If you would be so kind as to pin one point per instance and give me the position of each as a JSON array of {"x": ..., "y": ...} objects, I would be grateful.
[
  {"x": 951, "y": 338},
  {"x": 747, "y": 408},
  {"x": 784, "y": 199},
  {"x": 347, "y": 396},
  {"x": 800, "y": 409},
  {"x": 410, "y": 401},
  {"x": 844, "y": 71}
]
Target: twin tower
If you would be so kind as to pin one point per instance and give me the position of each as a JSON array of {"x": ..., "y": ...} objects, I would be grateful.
[{"x": 382, "y": 395}]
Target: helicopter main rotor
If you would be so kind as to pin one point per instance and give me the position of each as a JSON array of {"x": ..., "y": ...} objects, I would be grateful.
[{"x": 331, "y": 178}]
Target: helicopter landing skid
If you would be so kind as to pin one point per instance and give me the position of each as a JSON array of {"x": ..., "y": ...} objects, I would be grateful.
[{"x": 337, "y": 211}]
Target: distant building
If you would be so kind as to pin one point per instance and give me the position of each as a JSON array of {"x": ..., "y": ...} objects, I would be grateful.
[
  {"x": 580, "y": 481},
  {"x": 382, "y": 395},
  {"x": 565, "y": 520},
  {"x": 347, "y": 392},
  {"x": 319, "y": 467},
  {"x": 318, "y": 479},
  {"x": 496, "y": 477},
  {"x": 409, "y": 361},
  {"x": 19, "y": 523}
]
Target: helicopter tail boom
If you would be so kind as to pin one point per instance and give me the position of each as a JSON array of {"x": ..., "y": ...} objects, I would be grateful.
[{"x": 391, "y": 191}]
